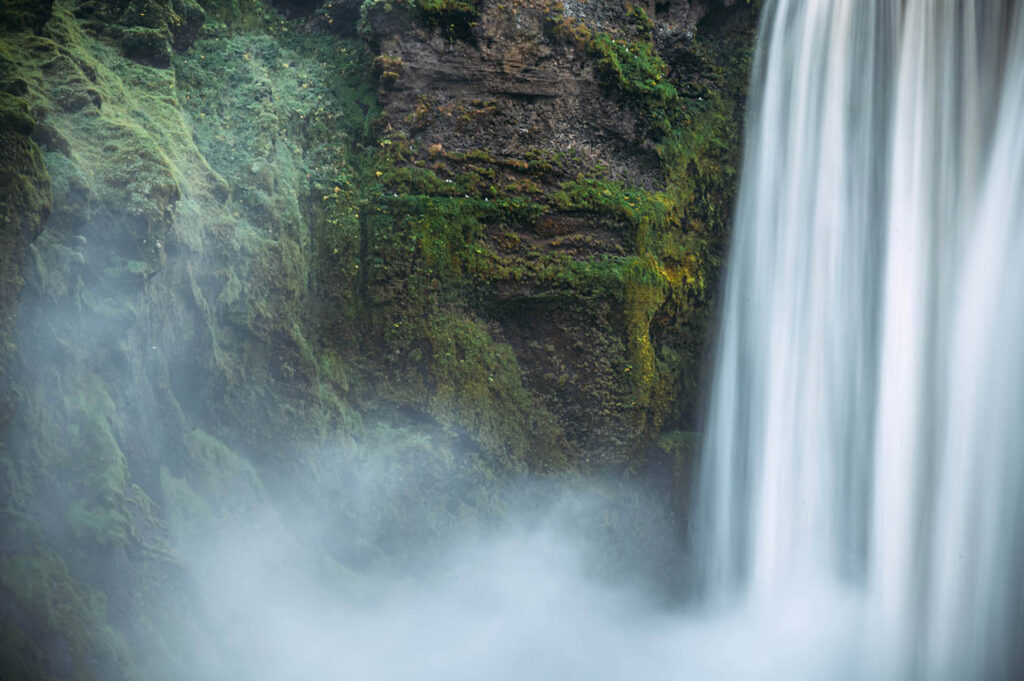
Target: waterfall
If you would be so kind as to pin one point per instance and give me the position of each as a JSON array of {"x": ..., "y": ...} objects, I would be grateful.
[{"x": 867, "y": 416}]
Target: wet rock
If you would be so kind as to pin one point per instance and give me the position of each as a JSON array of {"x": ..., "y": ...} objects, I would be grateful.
[{"x": 149, "y": 31}]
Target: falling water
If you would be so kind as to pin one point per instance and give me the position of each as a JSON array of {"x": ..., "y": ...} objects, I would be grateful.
[{"x": 867, "y": 420}]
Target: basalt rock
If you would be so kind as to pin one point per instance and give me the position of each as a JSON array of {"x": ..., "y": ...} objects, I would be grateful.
[{"x": 593, "y": 144}]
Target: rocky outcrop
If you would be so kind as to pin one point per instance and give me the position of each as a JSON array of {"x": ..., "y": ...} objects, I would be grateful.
[
  {"x": 25, "y": 202},
  {"x": 589, "y": 149},
  {"x": 146, "y": 30},
  {"x": 511, "y": 80},
  {"x": 248, "y": 246},
  {"x": 127, "y": 332}
]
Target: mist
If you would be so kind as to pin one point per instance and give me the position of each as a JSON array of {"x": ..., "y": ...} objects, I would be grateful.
[
  {"x": 542, "y": 593},
  {"x": 330, "y": 353}
]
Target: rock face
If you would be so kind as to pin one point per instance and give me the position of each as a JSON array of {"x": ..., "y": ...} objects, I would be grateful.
[
  {"x": 602, "y": 138},
  {"x": 245, "y": 244},
  {"x": 25, "y": 201},
  {"x": 147, "y": 31},
  {"x": 511, "y": 80}
]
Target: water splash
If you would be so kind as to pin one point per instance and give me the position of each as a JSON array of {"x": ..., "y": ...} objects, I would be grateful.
[{"x": 866, "y": 425}]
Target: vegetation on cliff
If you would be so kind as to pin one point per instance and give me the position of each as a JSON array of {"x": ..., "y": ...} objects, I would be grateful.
[
  {"x": 236, "y": 236},
  {"x": 617, "y": 237}
]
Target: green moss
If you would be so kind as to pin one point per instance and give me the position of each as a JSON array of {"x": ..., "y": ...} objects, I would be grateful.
[
  {"x": 43, "y": 588},
  {"x": 93, "y": 524},
  {"x": 455, "y": 18},
  {"x": 431, "y": 247},
  {"x": 22, "y": 15},
  {"x": 25, "y": 200},
  {"x": 25, "y": 197},
  {"x": 148, "y": 31},
  {"x": 241, "y": 15},
  {"x": 15, "y": 117},
  {"x": 20, "y": 656},
  {"x": 97, "y": 516},
  {"x": 480, "y": 389},
  {"x": 188, "y": 513},
  {"x": 637, "y": 16},
  {"x": 221, "y": 475},
  {"x": 471, "y": 383},
  {"x": 645, "y": 292},
  {"x": 632, "y": 67},
  {"x": 636, "y": 69},
  {"x": 443, "y": 232},
  {"x": 215, "y": 487},
  {"x": 446, "y": 7},
  {"x": 147, "y": 45},
  {"x": 436, "y": 224},
  {"x": 680, "y": 444}
]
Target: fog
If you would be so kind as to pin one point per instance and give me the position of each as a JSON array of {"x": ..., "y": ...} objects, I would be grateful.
[{"x": 533, "y": 595}]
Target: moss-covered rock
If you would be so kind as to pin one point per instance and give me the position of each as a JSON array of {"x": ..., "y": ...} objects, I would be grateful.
[
  {"x": 282, "y": 264},
  {"x": 162, "y": 297},
  {"x": 25, "y": 202},
  {"x": 147, "y": 30},
  {"x": 24, "y": 15},
  {"x": 563, "y": 179}
]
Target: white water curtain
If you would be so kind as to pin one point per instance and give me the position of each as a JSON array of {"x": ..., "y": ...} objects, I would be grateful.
[{"x": 867, "y": 417}]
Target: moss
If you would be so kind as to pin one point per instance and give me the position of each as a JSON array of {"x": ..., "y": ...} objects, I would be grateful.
[
  {"x": 20, "y": 656},
  {"x": 480, "y": 389},
  {"x": 21, "y": 15},
  {"x": 387, "y": 68},
  {"x": 240, "y": 15},
  {"x": 96, "y": 525},
  {"x": 326, "y": 273},
  {"x": 42, "y": 586},
  {"x": 219, "y": 485},
  {"x": 431, "y": 247},
  {"x": 100, "y": 471},
  {"x": 134, "y": 187},
  {"x": 645, "y": 292},
  {"x": 25, "y": 201},
  {"x": 25, "y": 197},
  {"x": 455, "y": 18},
  {"x": 146, "y": 30},
  {"x": 108, "y": 389},
  {"x": 681, "y": 445},
  {"x": 637, "y": 16},
  {"x": 446, "y": 360},
  {"x": 457, "y": 230},
  {"x": 444, "y": 7},
  {"x": 147, "y": 45},
  {"x": 632, "y": 67},
  {"x": 280, "y": 117}
]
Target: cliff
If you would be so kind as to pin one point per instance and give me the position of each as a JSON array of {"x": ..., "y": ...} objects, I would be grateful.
[
  {"x": 588, "y": 151},
  {"x": 247, "y": 247}
]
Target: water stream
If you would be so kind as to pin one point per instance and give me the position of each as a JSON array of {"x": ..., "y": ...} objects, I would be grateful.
[{"x": 867, "y": 422}]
